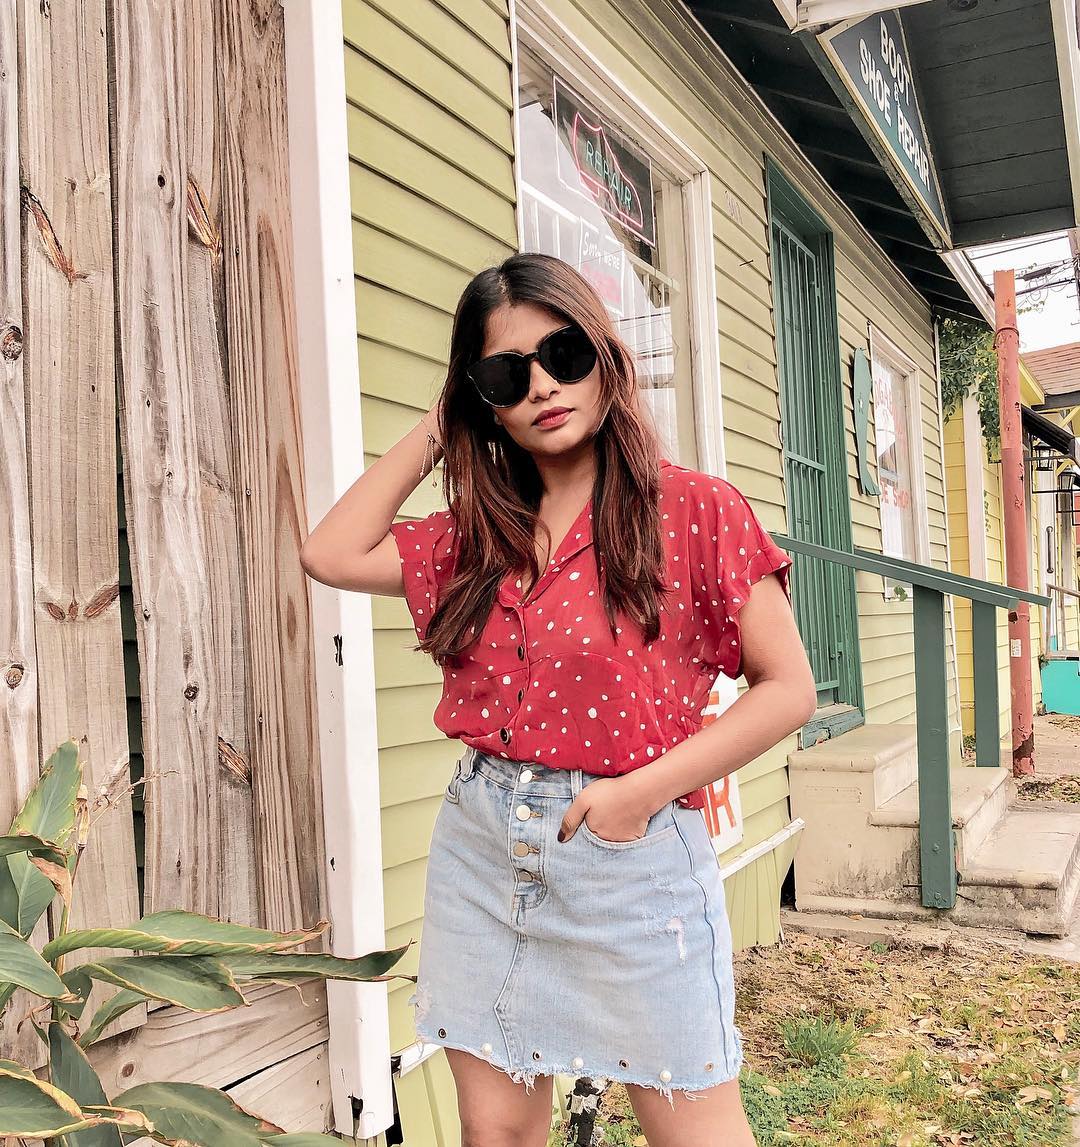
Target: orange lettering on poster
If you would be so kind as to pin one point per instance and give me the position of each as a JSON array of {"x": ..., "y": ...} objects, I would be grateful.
[{"x": 718, "y": 794}]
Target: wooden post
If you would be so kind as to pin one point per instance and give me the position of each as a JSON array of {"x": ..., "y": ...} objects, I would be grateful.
[
  {"x": 985, "y": 660},
  {"x": 1017, "y": 532},
  {"x": 937, "y": 854}
]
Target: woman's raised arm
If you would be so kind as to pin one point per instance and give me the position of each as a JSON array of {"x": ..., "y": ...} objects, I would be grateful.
[{"x": 352, "y": 547}]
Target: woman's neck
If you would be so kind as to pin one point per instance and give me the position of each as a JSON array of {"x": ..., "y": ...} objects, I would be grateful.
[{"x": 566, "y": 480}]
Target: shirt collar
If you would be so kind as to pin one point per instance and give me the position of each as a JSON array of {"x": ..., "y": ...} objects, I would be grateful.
[{"x": 578, "y": 537}]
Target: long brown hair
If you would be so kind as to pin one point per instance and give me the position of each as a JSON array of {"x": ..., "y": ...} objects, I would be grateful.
[{"x": 493, "y": 487}]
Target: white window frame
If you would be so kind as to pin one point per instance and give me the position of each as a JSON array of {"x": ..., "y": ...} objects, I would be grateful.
[
  {"x": 883, "y": 349},
  {"x": 537, "y": 27}
]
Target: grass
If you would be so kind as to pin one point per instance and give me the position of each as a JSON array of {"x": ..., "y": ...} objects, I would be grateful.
[{"x": 895, "y": 1045}]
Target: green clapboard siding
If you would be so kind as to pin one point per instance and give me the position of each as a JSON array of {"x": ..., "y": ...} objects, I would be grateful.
[
  {"x": 432, "y": 189},
  {"x": 717, "y": 119}
]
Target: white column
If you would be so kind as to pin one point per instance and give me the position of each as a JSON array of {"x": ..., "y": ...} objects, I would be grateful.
[{"x": 344, "y": 655}]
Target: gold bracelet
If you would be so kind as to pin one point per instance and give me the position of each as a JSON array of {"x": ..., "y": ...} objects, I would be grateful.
[{"x": 429, "y": 446}]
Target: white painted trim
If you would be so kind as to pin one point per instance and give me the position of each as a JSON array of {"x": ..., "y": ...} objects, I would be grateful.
[
  {"x": 964, "y": 272},
  {"x": 515, "y": 81},
  {"x": 814, "y": 13},
  {"x": 1063, "y": 14},
  {"x": 789, "y": 9},
  {"x": 975, "y": 482},
  {"x": 329, "y": 394},
  {"x": 882, "y": 348},
  {"x": 958, "y": 727},
  {"x": 415, "y": 1054},
  {"x": 757, "y": 851},
  {"x": 705, "y": 315}
]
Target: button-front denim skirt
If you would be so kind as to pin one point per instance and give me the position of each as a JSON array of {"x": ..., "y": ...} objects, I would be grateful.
[{"x": 588, "y": 957}]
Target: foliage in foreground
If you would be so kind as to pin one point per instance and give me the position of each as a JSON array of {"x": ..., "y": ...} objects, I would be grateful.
[{"x": 185, "y": 959}]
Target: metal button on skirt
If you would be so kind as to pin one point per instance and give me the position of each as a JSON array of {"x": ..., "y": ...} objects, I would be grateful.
[{"x": 610, "y": 959}]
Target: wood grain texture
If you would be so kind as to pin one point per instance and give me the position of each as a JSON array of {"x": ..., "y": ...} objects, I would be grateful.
[
  {"x": 216, "y": 1050},
  {"x": 68, "y": 367},
  {"x": 19, "y": 749},
  {"x": 179, "y": 488},
  {"x": 169, "y": 571},
  {"x": 203, "y": 101},
  {"x": 293, "y": 1093},
  {"x": 262, "y": 368}
]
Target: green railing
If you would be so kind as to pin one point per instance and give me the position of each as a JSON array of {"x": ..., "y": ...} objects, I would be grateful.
[{"x": 937, "y": 851}]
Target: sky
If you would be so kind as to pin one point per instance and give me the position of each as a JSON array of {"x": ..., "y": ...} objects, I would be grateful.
[{"x": 1047, "y": 317}]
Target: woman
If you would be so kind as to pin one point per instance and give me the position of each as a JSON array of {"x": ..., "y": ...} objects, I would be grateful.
[{"x": 581, "y": 595}]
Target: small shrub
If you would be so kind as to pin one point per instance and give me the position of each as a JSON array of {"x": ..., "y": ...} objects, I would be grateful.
[{"x": 816, "y": 1042}]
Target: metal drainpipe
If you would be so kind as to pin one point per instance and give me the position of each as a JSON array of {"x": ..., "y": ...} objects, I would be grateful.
[{"x": 1017, "y": 532}]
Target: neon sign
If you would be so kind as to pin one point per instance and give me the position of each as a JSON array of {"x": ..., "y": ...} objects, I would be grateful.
[{"x": 605, "y": 167}]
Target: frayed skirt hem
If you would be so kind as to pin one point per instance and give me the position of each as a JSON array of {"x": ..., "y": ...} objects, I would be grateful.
[{"x": 528, "y": 1076}]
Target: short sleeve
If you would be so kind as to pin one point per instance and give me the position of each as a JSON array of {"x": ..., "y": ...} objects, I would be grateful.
[
  {"x": 734, "y": 551},
  {"x": 426, "y": 549}
]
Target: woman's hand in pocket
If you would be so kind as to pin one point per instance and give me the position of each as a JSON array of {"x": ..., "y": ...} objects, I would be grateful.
[{"x": 612, "y": 810}]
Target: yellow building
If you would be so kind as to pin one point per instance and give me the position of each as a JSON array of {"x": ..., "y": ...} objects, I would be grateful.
[{"x": 748, "y": 286}]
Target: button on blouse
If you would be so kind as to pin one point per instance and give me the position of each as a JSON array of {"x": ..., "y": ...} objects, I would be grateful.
[{"x": 546, "y": 682}]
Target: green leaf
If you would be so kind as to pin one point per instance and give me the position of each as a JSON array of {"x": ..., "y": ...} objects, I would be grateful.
[
  {"x": 182, "y": 933},
  {"x": 80, "y": 985},
  {"x": 197, "y": 1115},
  {"x": 111, "y": 1009},
  {"x": 48, "y": 813},
  {"x": 369, "y": 967},
  {"x": 70, "y": 1071},
  {"x": 199, "y": 983},
  {"x": 21, "y": 965},
  {"x": 28, "y": 842},
  {"x": 49, "y": 808},
  {"x": 33, "y": 1108}
]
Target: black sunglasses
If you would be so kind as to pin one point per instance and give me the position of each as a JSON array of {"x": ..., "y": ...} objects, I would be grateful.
[{"x": 567, "y": 354}]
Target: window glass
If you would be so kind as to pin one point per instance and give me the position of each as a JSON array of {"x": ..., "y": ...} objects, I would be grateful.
[
  {"x": 891, "y": 429},
  {"x": 592, "y": 194}
]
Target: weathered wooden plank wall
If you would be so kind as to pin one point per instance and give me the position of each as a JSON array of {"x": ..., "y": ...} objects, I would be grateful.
[
  {"x": 70, "y": 394},
  {"x": 262, "y": 369},
  {"x": 179, "y": 487},
  {"x": 147, "y": 255},
  {"x": 18, "y": 657}
]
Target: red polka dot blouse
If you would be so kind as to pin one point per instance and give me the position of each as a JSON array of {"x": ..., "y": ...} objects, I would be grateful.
[{"x": 545, "y": 682}]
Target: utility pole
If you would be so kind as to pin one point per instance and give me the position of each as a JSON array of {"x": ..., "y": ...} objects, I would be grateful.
[{"x": 1017, "y": 526}]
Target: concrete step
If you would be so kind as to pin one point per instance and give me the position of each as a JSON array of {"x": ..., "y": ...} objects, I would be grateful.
[
  {"x": 979, "y": 797},
  {"x": 870, "y": 764},
  {"x": 1026, "y": 874}
]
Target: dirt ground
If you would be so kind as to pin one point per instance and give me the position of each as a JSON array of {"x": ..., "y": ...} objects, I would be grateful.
[{"x": 957, "y": 1041}]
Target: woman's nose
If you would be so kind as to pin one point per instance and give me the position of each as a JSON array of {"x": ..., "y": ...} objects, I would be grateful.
[{"x": 540, "y": 382}]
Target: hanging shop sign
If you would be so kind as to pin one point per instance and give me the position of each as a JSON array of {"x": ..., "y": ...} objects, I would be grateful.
[
  {"x": 596, "y": 159},
  {"x": 871, "y": 59}
]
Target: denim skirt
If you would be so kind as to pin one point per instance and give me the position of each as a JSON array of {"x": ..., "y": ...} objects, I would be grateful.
[{"x": 588, "y": 957}]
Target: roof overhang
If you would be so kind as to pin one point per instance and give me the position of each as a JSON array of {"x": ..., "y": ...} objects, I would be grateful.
[
  {"x": 993, "y": 120},
  {"x": 1057, "y": 437}
]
